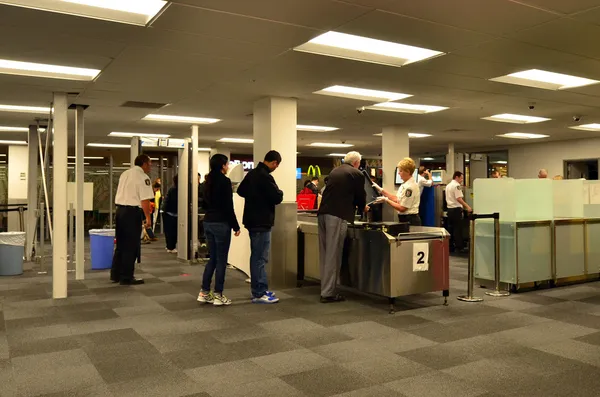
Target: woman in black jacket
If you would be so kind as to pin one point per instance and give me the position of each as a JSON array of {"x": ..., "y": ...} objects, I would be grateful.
[
  {"x": 170, "y": 217},
  {"x": 219, "y": 220}
]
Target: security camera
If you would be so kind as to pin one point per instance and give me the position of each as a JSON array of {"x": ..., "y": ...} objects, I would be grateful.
[
  {"x": 360, "y": 109},
  {"x": 343, "y": 141},
  {"x": 576, "y": 118},
  {"x": 531, "y": 105}
]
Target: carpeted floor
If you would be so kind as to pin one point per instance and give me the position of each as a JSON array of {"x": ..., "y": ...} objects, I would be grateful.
[{"x": 156, "y": 340}]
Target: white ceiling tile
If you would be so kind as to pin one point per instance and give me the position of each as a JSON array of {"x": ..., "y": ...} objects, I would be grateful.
[{"x": 563, "y": 6}]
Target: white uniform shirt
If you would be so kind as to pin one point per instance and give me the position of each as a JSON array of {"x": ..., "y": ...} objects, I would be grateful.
[
  {"x": 134, "y": 186},
  {"x": 409, "y": 196},
  {"x": 423, "y": 182},
  {"x": 453, "y": 193}
]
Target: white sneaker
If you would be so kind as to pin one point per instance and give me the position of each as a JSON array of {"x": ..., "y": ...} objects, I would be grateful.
[
  {"x": 206, "y": 297},
  {"x": 220, "y": 300},
  {"x": 266, "y": 299}
]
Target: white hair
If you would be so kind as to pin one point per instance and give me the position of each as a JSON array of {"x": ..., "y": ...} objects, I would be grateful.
[{"x": 352, "y": 157}]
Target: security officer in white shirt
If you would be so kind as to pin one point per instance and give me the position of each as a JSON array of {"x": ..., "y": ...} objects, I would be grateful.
[
  {"x": 456, "y": 205},
  {"x": 134, "y": 191},
  {"x": 408, "y": 198},
  {"x": 422, "y": 180}
]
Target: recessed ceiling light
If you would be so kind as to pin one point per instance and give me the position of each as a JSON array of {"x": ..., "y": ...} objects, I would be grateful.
[
  {"x": 405, "y": 108},
  {"x": 140, "y": 134},
  {"x": 315, "y": 128},
  {"x": 109, "y": 145},
  {"x": 500, "y": 162},
  {"x": 48, "y": 71},
  {"x": 88, "y": 157},
  {"x": 126, "y": 163},
  {"x": 523, "y": 135},
  {"x": 427, "y": 159},
  {"x": 361, "y": 93},
  {"x": 325, "y": 144},
  {"x": 544, "y": 79},
  {"x": 378, "y": 134},
  {"x": 587, "y": 127},
  {"x": 13, "y": 129},
  {"x": 418, "y": 135},
  {"x": 515, "y": 118},
  {"x": 337, "y": 154},
  {"x": 180, "y": 119},
  {"x": 202, "y": 149},
  {"x": 76, "y": 164},
  {"x": 3, "y": 155},
  {"x": 236, "y": 140},
  {"x": 13, "y": 143},
  {"x": 24, "y": 109},
  {"x": 342, "y": 45},
  {"x": 134, "y": 12}
]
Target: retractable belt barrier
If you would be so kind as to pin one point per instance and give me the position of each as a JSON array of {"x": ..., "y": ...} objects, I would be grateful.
[{"x": 471, "y": 269}]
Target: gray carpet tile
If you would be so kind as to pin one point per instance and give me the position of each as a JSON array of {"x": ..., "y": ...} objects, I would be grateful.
[{"x": 156, "y": 340}]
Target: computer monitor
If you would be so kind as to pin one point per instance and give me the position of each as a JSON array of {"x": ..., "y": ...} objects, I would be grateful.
[
  {"x": 298, "y": 173},
  {"x": 437, "y": 176}
]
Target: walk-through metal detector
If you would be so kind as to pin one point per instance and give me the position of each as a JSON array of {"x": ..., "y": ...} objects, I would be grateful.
[{"x": 187, "y": 206}]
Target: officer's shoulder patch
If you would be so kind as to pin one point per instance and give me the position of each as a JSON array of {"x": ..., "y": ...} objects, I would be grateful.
[
  {"x": 147, "y": 182},
  {"x": 458, "y": 187},
  {"x": 408, "y": 192}
]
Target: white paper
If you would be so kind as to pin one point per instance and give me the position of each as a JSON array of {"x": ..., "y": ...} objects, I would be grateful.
[{"x": 420, "y": 257}]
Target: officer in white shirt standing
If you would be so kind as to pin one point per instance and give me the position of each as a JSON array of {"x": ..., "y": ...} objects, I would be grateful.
[
  {"x": 422, "y": 180},
  {"x": 408, "y": 198},
  {"x": 134, "y": 191},
  {"x": 456, "y": 205}
]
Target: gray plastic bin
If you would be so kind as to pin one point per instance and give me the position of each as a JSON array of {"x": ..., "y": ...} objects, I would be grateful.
[{"x": 12, "y": 250}]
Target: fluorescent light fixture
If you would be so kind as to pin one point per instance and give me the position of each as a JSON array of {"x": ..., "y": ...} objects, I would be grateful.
[
  {"x": 418, "y": 135},
  {"x": 108, "y": 145},
  {"x": 140, "y": 134},
  {"x": 180, "y": 119},
  {"x": 523, "y": 135},
  {"x": 76, "y": 164},
  {"x": 359, "y": 48},
  {"x": 315, "y": 128},
  {"x": 515, "y": 118},
  {"x": 544, "y": 79},
  {"x": 500, "y": 162},
  {"x": 13, "y": 129},
  {"x": 337, "y": 154},
  {"x": 361, "y": 93},
  {"x": 154, "y": 158},
  {"x": 24, "y": 109},
  {"x": 134, "y": 12},
  {"x": 203, "y": 149},
  {"x": 2, "y": 155},
  {"x": 236, "y": 140},
  {"x": 126, "y": 163},
  {"x": 48, "y": 71},
  {"x": 88, "y": 157},
  {"x": 13, "y": 142},
  {"x": 379, "y": 134},
  {"x": 583, "y": 127},
  {"x": 427, "y": 159},
  {"x": 325, "y": 144},
  {"x": 405, "y": 108}
]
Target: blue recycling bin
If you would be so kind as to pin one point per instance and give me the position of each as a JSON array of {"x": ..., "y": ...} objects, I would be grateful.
[
  {"x": 102, "y": 247},
  {"x": 12, "y": 250}
]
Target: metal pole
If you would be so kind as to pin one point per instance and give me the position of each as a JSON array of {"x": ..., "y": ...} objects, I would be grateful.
[
  {"x": 21, "y": 220},
  {"x": 71, "y": 234},
  {"x": 497, "y": 291},
  {"x": 77, "y": 228},
  {"x": 59, "y": 196},
  {"x": 471, "y": 276},
  {"x": 42, "y": 239},
  {"x": 110, "y": 191},
  {"x": 163, "y": 191}
]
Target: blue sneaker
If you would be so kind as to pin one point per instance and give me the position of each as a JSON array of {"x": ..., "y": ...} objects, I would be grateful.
[
  {"x": 270, "y": 293},
  {"x": 265, "y": 299}
]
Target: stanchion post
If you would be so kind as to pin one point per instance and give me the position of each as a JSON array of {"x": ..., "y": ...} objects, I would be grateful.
[
  {"x": 71, "y": 239},
  {"x": 42, "y": 235},
  {"x": 471, "y": 268},
  {"x": 497, "y": 291},
  {"x": 21, "y": 219}
]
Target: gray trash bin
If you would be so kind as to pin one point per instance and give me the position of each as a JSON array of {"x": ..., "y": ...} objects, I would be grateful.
[{"x": 12, "y": 250}]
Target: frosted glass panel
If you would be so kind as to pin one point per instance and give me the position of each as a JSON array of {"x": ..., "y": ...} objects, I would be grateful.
[
  {"x": 593, "y": 248},
  {"x": 570, "y": 260},
  {"x": 594, "y": 192},
  {"x": 534, "y": 199},
  {"x": 591, "y": 210},
  {"x": 495, "y": 195},
  {"x": 534, "y": 257},
  {"x": 568, "y": 198},
  {"x": 484, "y": 251}
]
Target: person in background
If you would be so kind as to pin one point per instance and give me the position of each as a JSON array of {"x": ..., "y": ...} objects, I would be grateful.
[
  {"x": 219, "y": 220},
  {"x": 170, "y": 217},
  {"x": 313, "y": 185},
  {"x": 543, "y": 174},
  {"x": 345, "y": 192},
  {"x": 324, "y": 184},
  {"x": 456, "y": 205},
  {"x": 558, "y": 177},
  {"x": 495, "y": 174},
  {"x": 261, "y": 195},
  {"x": 424, "y": 178},
  {"x": 157, "y": 201},
  {"x": 408, "y": 198},
  {"x": 134, "y": 191}
]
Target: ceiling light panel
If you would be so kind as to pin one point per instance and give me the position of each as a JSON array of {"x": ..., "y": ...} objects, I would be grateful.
[
  {"x": 202, "y": 149},
  {"x": 427, "y": 159},
  {"x": 315, "y": 128},
  {"x": 361, "y": 94},
  {"x": 359, "y": 48},
  {"x": 13, "y": 129},
  {"x": 24, "y": 109},
  {"x": 584, "y": 127},
  {"x": 134, "y": 12},
  {"x": 88, "y": 157},
  {"x": 13, "y": 142},
  {"x": 140, "y": 134},
  {"x": 325, "y": 144},
  {"x": 418, "y": 135},
  {"x": 47, "y": 71},
  {"x": 180, "y": 119},
  {"x": 544, "y": 79},
  {"x": 523, "y": 135},
  {"x": 406, "y": 108},
  {"x": 108, "y": 145},
  {"x": 515, "y": 118},
  {"x": 236, "y": 140},
  {"x": 337, "y": 154}
]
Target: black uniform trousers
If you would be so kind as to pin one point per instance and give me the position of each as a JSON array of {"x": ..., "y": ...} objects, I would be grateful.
[
  {"x": 455, "y": 223},
  {"x": 412, "y": 219},
  {"x": 128, "y": 231}
]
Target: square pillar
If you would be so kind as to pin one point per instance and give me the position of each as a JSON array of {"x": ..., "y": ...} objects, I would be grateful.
[
  {"x": 183, "y": 190},
  {"x": 18, "y": 167},
  {"x": 275, "y": 121},
  {"x": 194, "y": 192},
  {"x": 395, "y": 147},
  {"x": 32, "y": 189},
  {"x": 59, "y": 198},
  {"x": 79, "y": 180},
  {"x": 134, "y": 151}
]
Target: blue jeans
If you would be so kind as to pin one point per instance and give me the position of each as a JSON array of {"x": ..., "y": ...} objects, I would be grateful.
[
  {"x": 218, "y": 236},
  {"x": 260, "y": 247}
]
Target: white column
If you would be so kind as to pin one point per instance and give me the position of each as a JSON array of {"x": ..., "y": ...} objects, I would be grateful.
[
  {"x": 79, "y": 180},
  {"x": 450, "y": 162},
  {"x": 135, "y": 150},
  {"x": 395, "y": 147},
  {"x": 18, "y": 167},
  {"x": 110, "y": 191},
  {"x": 32, "y": 189},
  {"x": 59, "y": 201},
  {"x": 183, "y": 202},
  {"x": 194, "y": 187},
  {"x": 275, "y": 122}
]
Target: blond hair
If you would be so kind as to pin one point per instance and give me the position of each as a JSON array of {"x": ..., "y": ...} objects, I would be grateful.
[
  {"x": 407, "y": 164},
  {"x": 558, "y": 178}
]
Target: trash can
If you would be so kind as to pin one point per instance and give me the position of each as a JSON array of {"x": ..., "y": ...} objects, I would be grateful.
[
  {"x": 12, "y": 250},
  {"x": 102, "y": 246}
]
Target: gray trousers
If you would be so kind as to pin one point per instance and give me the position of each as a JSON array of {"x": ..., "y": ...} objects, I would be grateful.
[{"x": 332, "y": 233}]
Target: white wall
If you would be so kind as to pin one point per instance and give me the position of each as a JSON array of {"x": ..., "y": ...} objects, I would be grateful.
[
  {"x": 524, "y": 161},
  {"x": 18, "y": 163},
  {"x": 203, "y": 163}
]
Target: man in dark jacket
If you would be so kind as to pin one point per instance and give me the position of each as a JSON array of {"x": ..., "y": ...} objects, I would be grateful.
[
  {"x": 344, "y": 194},
  {"x": 261, "y": 195}
]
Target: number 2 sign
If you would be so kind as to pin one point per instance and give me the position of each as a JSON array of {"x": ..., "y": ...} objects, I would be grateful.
[{"x": 420, "y": 257}]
